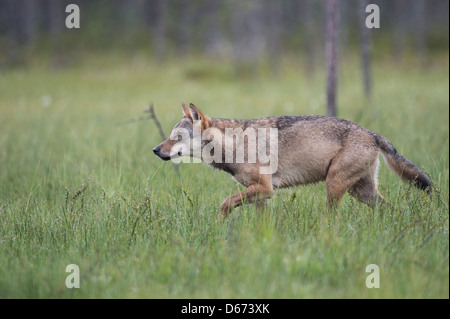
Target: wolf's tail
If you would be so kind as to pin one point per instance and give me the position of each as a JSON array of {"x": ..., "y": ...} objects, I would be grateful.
[{"x": 403, "y": 167}]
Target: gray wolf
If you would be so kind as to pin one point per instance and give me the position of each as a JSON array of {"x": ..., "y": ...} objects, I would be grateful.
[{"x": 310, "y": 149}]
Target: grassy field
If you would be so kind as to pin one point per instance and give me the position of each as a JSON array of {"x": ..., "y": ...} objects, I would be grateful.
[{"x": 77, "y": 186}]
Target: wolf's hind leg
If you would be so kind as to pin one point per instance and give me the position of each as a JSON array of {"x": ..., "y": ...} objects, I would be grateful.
[
  {"x": 346, "y": 170},
  {"x": 365, "y": 190},
  {"x": 337, "y": 185}
]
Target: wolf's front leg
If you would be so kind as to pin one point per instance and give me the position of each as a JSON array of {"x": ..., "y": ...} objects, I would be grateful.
[{"x": 254, "y": 193}]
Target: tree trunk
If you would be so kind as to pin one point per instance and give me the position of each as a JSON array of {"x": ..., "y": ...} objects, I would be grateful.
[
  {"x": 307, "y": 14},
  {"x": 213, "y": 33},
  {"x": 185, "y": 25},
  {"x": 56, "y": 16},
  {"x": 420, "y": 28},
  {"x": 159, "y": 35},
  {"x": 11, "y": 15},
  {"x": 273, "y": 12},
  {"x": 399, "y": 29},
  {"x": 366, "y": 48},
  {"x": 248, "y": 39},
  {"x": 331, "y": 50}
]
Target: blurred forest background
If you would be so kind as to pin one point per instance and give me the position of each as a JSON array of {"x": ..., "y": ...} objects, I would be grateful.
[
  {"x": 79, "y": 186},
  {"x": 245, "y": 32}
]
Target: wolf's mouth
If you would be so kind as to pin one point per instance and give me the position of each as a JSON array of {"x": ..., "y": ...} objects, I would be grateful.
[
  {"x": 157, "y": 152},
  {"x": 164, "y": 158}
]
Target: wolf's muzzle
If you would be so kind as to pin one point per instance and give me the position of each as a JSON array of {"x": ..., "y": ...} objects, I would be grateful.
[{"x": 157, "y": 151}]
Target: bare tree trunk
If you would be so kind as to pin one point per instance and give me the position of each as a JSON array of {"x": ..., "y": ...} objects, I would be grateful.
[
  {"x": 12, "y": 46},
  {"x": 307, "y": 16},
  {"x": 30, "y": 23},
  {"x": 20, "y": 27},
  {"x": 331, "y": 49},
  {"x": 399, "y": 29},
  {"x": 159, "y": 35},
  {"x": 345, "y": 24},
  {"x": 420, "y": 27},
  {"x": 247, "y": 35},
  {"x": 213, "y": 34},
  {"x": 131, "y": 18},
  {"x": 273, "y": 17},
  {"x": 366, "y": 48},
  {"x": 184, "y": 28},
  {"x": 56, "y": 15}
]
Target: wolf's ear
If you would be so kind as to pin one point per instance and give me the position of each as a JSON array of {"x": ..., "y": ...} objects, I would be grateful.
[
  {"x": 196, "y": 115},
  {"x": 186, "y": 110}
]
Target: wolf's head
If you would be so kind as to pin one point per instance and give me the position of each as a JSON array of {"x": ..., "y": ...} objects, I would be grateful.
[{"x": 185, "y": 135}]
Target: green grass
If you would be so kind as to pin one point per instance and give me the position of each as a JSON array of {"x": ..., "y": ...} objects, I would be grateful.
[{"x": 76, "y": 187}]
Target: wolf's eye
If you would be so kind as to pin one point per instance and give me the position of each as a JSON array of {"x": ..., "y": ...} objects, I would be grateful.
[{"x": 179, "y": 137}]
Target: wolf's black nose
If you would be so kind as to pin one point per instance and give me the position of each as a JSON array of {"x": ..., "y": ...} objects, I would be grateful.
[{"x": 156, "y": 150}]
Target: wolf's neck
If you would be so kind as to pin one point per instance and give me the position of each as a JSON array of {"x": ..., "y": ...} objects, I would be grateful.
[{"x": 221, "y": 125}]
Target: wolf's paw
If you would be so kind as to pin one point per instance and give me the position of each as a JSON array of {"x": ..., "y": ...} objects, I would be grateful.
[{"x": 225, "y": 209}]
